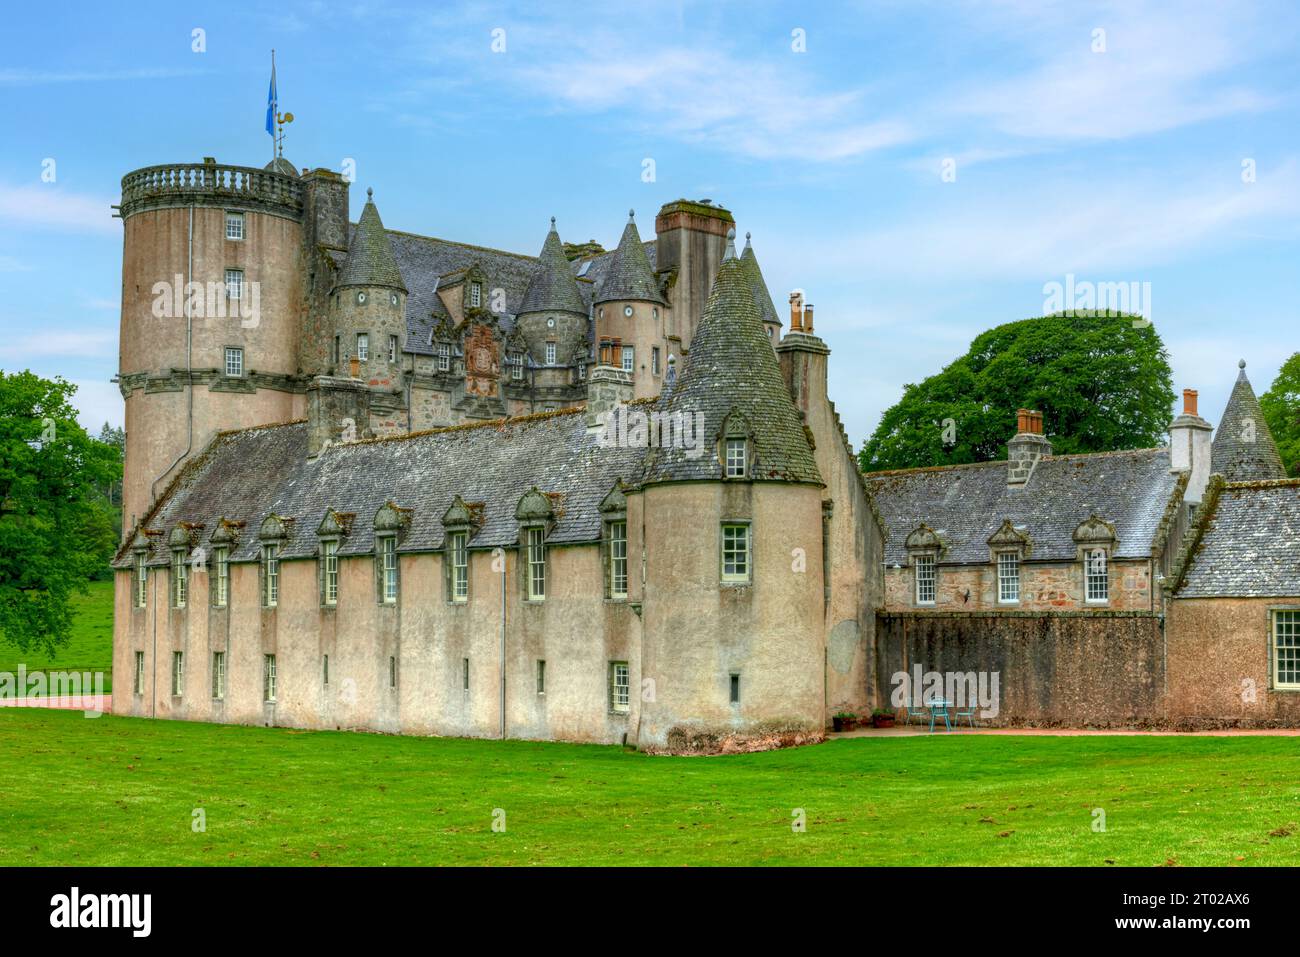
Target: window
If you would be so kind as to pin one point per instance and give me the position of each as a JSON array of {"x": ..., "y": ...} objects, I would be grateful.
[
  {"x": 220, "y": 576},
  {"x": 218, "y": 674},
  {"x": 234, "y": 225},
  {"x": 180, "y": 579},
  {"x": 735, "y": 553},
  {"x": 268, "y": 677},
  {"x": 329, "y": 572},
  {"x": 629, "y": 358},
  {"x": 1096, "y": 576},
  {"x": 392, "y": 672},
  {"x": 458, "y": 566},
  {"x": 735, "y": 689},
  {"x": 388, "y": 569},
  {"x": 924, "y": 569},
  {"x": 582, "y": 370},
  {"x": 270, "y": 575},
  {"x": 235, "y": 283},
  {"x": 325, "y": 669},
  {"x": 464, "y": 675},
  {"x": 620, "y": 696},
  {"x": 234, "y": 361},
  {"x": 616, "y": 542},
  {"x": 476, "y": 294},
  {"x": 444, "y": 356},
  {"x": 178, "y": 673},
  {"x": 392, "y": 348},
  {"x": 737, "y": 457},
  {"x": 516, "y": 366},
  {"x": 550, "y": 353},
  {"x": 141, "y": 578},
  {"x": 654, "y": 360},
  {"x": 363, "y": 346},
  {"x": 541, "y": 676},
  {"x": 1286, "y": 649},
  {"x": 338, "y": 349},
  {"x": 1008, "y": 577},
  {"x": 139, "y": 672},
  {"x": 536, "y": 564}
]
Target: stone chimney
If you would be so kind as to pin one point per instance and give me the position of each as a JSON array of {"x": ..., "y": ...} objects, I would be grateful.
[
  {"x": 803, "y": 356},
  {"x": 608, "y": 387},
  {"x": 338, "y": 410},
  {"x": 690, "y": 239},
  {"x": 1189, "y": 448},
  {"x": 796, "y": 311},
  {"x": 1027, "y": 447}
]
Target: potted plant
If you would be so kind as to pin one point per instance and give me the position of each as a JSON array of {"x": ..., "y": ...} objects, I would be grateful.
[
  {"x": 844, "y": 721},
  {"x": 880, "y": 718}
]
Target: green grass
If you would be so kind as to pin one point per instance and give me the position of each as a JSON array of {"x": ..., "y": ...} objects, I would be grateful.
[
  {"x": 116, "y": 790},
  {"x": 90, "y": 648}
]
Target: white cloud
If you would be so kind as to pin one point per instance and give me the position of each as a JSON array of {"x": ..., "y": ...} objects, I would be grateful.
[
  {"x": 97, "y": 402},
  {"x": 12, "y": 77},
  {"x": 50, "y": 206}
]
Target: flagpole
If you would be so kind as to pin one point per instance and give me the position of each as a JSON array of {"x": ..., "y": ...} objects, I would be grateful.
[{"x": 275, "y": 106}]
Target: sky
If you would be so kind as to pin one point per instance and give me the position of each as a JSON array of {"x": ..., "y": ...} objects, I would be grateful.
[{"x": 923, "y": 171}]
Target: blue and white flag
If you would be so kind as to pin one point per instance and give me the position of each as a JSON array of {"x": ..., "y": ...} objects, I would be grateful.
[{"x": 270, "y": 102}]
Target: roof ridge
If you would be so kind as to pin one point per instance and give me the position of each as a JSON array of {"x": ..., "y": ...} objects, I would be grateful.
[
  {"x": 452, "y": 242},
  {"x": 1046, "y": 458},
  {"x": 1265, "y": 483},
  {"x": 532, "y": 417}
]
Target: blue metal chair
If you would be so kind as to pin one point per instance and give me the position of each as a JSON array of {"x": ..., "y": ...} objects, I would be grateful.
[
  {"x": 968, "y": 713},
  {"x": 940, "y": 708}
]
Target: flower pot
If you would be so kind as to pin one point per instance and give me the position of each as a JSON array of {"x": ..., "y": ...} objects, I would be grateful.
[{"x": 882, "y": 720}]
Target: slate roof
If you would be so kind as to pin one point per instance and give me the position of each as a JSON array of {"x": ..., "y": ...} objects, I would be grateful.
[
  {"x": 732, "y": 367},
  {"x": 966, "y": 504},
  {"x": 759, "y": 285},
  {"x": 629, "y": 274},
  {"x": 1243, "y": 449},
  {"x": 1250, "y": 546},
  {"x": 553, "y": 287},
  {"x": 370, "y": 259},
  {"x": 247, "y": 475}
]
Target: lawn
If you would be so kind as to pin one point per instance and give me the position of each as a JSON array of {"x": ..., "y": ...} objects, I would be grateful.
[
  {"x": 116, "y": 790},
  {"x": 89, "y": 649}
]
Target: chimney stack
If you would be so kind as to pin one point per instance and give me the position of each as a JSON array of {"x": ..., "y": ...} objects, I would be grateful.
[
  {"x": 1189, "y": 448},
  {"x": 1027, "y": 447},
  {"x": 808, "y": 318},
  {"x": 796, "y": 312}
]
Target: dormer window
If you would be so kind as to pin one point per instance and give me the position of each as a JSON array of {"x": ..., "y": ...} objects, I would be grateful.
[
  {"x": 923, "y": 566},
  {"x": 141, "y": 577},
  {"x": 475, "y": 294},
  {"x": 516, "y": 361},
  {"x": 273, "y": 533},
  {"x": 444, "y": 356},
  {"x": 737, "y": 457},
  {"x": 1008, "y": 547},
  {"x": 535, "y": 514},
  {"x": 923, "y": 549},
  {"x": 180, "y": 579},
  {"x": 1096, "y": 576},
  {"x": 1008, "y": 577},
  {"x": 1095, "y": 539},
  {"x": 389, "y": 523}
]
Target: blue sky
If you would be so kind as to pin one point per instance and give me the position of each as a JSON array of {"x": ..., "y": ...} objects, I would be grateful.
[{"x": 1123, "y": 164}]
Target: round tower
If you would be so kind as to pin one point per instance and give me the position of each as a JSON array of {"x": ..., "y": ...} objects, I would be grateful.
[
  {"x": 552, "y": 316},
  {"x": 632, "y": 315},
  {"x": 211, "y": 307}
]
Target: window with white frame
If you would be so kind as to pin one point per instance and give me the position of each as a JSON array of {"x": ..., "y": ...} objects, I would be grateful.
[
  {"x": 220, "y": 576},
  {"x": 1096, "y": 576},
  {"x": 475, "y": 294},
  {"x": 268, "y": 677},
  {"x": 458, "y": 565},
  {"x": 363, "y": 346},
  {"x": 629, "y": 358},
  {"x": 218, "y": 674},
  {"x": 329, "y": 572},
  {"x": 1286, "y": 649},
  {"x": 234, "y": 361},
  {"x": 141, "y": 578},
  {"x": 550, "y": 353},
  {"x": 737, "y": 457},
  {"x": 582, "y": 370},
  {"x": 178, "y": 673},
  {"x": 180, "y": 579},
  {"x": 270, "y": 575},
  {"x": 616, "y": 536},
  {"x": 1008, "y": 577},
  {"x": 444, "y": 356},
  {"x": 516, "y": 365},
  {"x": 923, "y": 565},
  {"x": 392, "y": 348},
  {"x": 535, "y": 538},
  {"x": 388, "y": 569},
  {"x": 235, "y": 283},
  {"x": 234, "y": 225},
  {"x": 735, "y": 552},
  {"x": 139, "y": 672},
  {"x": 620, "y": 687}
]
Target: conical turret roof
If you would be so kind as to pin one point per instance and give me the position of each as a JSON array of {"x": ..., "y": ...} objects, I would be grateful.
[
  {"x": 767, "y": 310},
  {"x": 1243, "y": 448},
  {"x": 553, "y": 288},
  {"x": 629, "y": 275},
  {"x": 733, "y": 380},
  {"x": 370, "y": 255}
]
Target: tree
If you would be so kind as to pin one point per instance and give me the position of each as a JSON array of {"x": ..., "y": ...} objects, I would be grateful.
[
  {"x": 1101, "y": 381},
  {"x": 53, "y": 521},
  {"x": 1281, "y": 408}
]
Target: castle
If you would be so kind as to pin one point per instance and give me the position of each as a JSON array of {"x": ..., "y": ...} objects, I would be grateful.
[{"x": 379, "y": 480}]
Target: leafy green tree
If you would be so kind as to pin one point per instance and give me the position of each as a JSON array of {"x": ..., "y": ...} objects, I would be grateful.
[
  {"x": 1281, "y": 408},
  {"x": 1101, "y": 381},
  {"x": 55, "y": 529}
]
